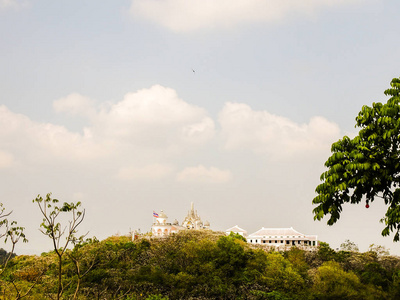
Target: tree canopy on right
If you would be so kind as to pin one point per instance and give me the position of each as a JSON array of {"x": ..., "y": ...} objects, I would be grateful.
[{"x": 366, "y": 167}]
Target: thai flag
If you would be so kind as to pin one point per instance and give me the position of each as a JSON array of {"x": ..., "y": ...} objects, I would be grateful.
[{"x": 155, "y": 215}]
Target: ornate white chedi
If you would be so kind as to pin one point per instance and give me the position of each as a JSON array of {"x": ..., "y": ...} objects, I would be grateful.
[
  {"x": 193, "y": 220},
  {"x": 161, "y": 227}
]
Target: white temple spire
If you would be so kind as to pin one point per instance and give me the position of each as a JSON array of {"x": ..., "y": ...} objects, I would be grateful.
[{"x": 193, "y": 220}]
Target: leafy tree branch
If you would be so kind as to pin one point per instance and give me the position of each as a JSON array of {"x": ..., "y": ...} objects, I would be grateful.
[{"x": 367, "y": 166}]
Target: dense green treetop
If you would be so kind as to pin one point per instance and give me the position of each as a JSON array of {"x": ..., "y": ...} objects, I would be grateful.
[
  {"x": 367, "y": 166},
  {"x": 202, "y": 265}
]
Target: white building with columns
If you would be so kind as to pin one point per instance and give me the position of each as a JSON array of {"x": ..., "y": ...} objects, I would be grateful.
[
  {"x": 279, "y": 238},
  {"x": 282, "y": 238}
]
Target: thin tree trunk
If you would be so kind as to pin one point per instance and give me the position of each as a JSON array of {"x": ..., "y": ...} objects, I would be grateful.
[
  {"x": 59, "y": 277},
  {"x": 77, "y": 288}
]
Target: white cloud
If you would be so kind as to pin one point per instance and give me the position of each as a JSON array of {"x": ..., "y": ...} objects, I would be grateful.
[
  {"x": 34, "y": 141},
  {"x": 75, "y": 104},
  {"x": 12, "y": 4},
  {"x": 155, "y": 117},
  {"x": 189, "y": 15},
  {"x": 6, "y": 160},
  {"x": 199, "y": 132},
  {"x": 279, "y": 137},
  {"x": 156, "y": 105},
  {"x": 150, "y": 125},
  {"x": 153, "y": 171},
  {"x": 148, "y": 132},
  {"x": 204, "y": 175}
]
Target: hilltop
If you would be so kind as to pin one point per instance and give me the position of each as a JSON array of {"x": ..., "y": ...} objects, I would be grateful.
[{"x": 202, "y": 265}]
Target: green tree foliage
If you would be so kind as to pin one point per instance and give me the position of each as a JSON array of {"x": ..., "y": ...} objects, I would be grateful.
[
  {"x": 4, "y": 256},
  {"x": 12, "y": 233},
  {"x": 280, "y": 275},
  {"x": 188, "y": 265},
  {"x": 349, "y": 246},
  {"x": 23, "y": 276},
  {"x": 204, "y": 265},
  {"x": 378, "y": 250},
  {"x": 83, "y": 261},
  {"x": 61, "y": 235},
  {"x": 367, "y": 166},
  {"x": 325, "y": 252},
  {"x": 332, "y": 282},
  {"x": 297, "y": 258}
]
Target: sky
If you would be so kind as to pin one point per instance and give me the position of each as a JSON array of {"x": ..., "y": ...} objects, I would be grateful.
[{"x": 138, "y": 106}]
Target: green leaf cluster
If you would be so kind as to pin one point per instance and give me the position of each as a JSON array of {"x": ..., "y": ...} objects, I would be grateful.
[{"x": 367, "y": 166}]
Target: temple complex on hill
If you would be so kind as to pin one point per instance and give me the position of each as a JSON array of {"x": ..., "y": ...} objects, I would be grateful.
[
  {"x": 279, "y": 238},
  {"x": 162, "y": 228}
]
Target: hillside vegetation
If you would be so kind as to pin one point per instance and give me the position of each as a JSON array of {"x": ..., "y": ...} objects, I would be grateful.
[{"x": 201, "y": 265}]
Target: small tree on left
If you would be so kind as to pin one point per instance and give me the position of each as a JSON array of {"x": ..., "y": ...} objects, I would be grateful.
[
  {"x": 12, "y": 233},
  {"x": 60, "y": 235},
  {"x": 7, "y": 233}
]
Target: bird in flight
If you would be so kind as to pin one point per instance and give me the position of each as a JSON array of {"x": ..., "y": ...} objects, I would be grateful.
[{"x": 194, "y": 71}]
